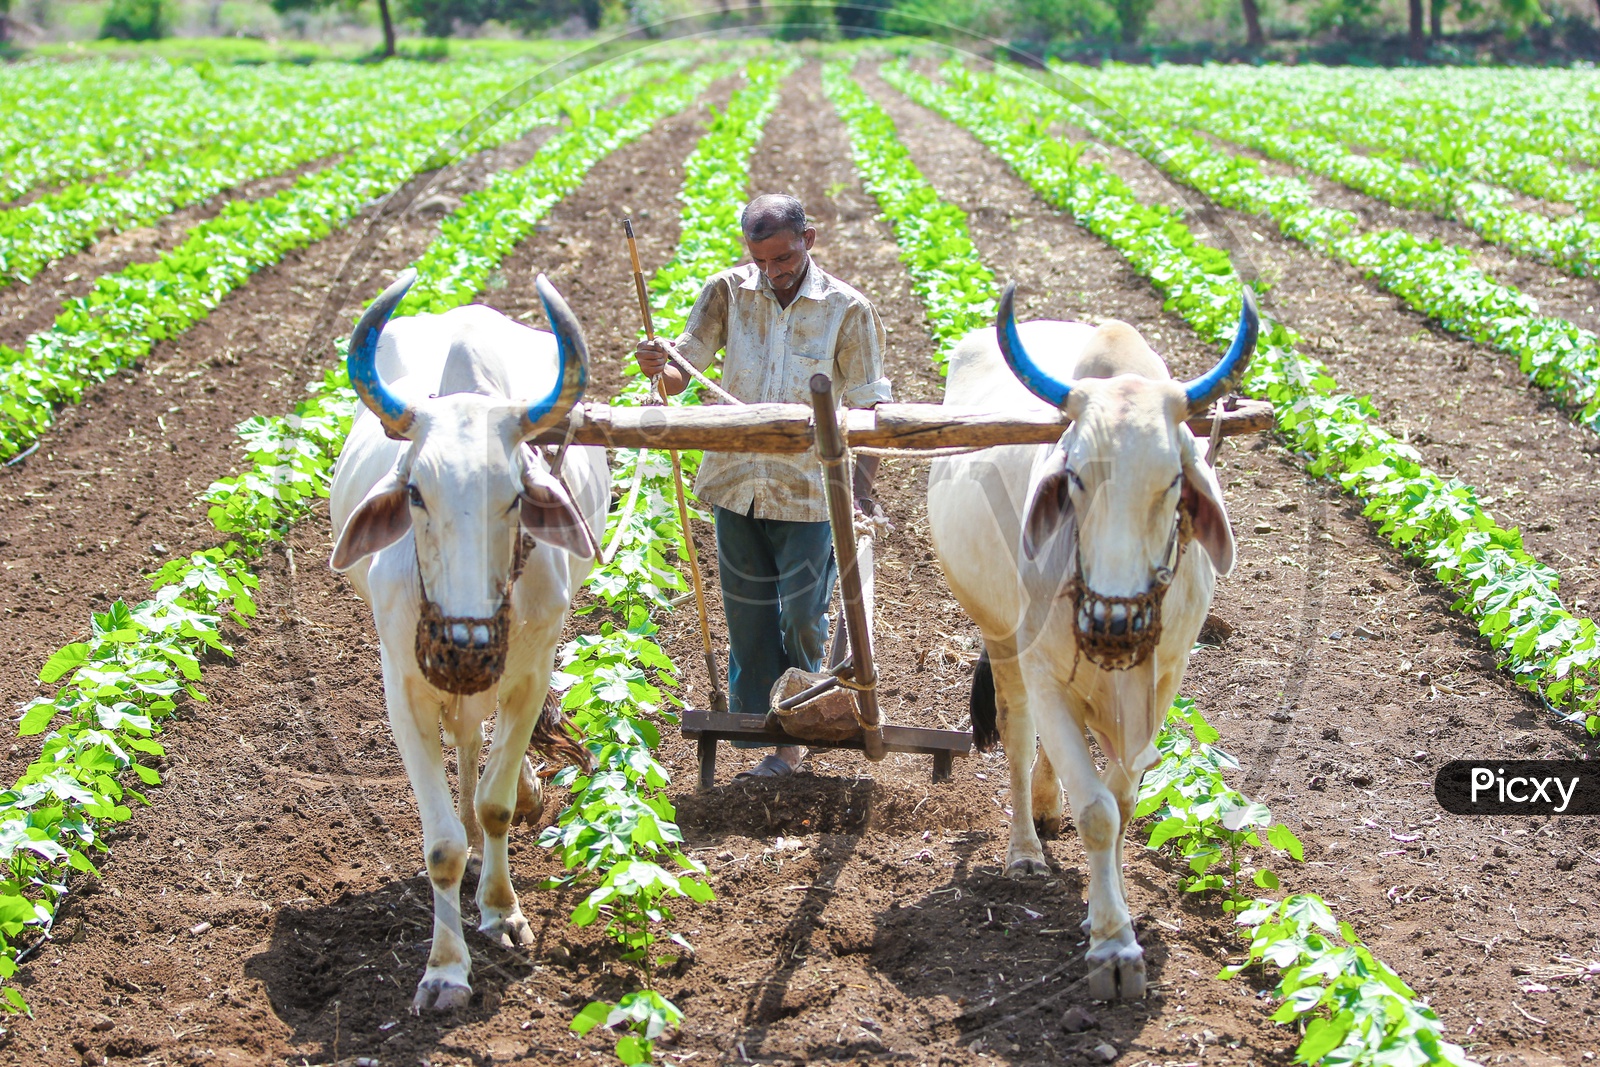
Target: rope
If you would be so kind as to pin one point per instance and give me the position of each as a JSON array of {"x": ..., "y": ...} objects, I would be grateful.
[
  {"x": 916, "y": 453},
  {"x": 628, "y": 508},
  {"x": 688, "y": 368}
]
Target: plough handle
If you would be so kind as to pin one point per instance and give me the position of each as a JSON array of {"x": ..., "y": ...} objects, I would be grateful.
[{"x": 841, "y": 508}]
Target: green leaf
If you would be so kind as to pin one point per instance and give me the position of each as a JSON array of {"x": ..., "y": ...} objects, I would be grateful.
[
  {"x": 632, "y": 1050},
  {"x": 65, "y": 660},
  {"x": 593, "y": 1014},
  {"x": 37, "y": 718}
]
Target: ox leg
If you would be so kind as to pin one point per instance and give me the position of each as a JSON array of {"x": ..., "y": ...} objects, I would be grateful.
[
  {"x": 1024, "y": 855},
  {"x": 468, "y": 752},
  {"x": 444, "y": 985},
  {"x": 1116, "y": 962},
  {"x": 1046, "y": 796},
  {"x": 499, "y": 910}
]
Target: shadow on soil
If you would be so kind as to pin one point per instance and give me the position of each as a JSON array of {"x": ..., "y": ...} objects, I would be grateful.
[
  {"x": 1008, "y": 952},
  {"x": 341, "y": 974}
]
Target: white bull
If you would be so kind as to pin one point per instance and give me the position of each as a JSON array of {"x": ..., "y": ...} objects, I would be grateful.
[
  {"x": 1074, "y": 559},
  {"x": 468, "y": 550}
]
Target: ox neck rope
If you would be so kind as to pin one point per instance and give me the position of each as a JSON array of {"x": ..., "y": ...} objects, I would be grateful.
[
  {"x": 1142, "y": 627},
  {"x": 448, "y": 665}
]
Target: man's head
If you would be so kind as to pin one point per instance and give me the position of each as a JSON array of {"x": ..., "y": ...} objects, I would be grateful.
[{"x": 778, "y": 239}]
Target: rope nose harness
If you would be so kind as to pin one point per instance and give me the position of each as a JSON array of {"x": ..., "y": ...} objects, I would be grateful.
[
  {"x": 466, "y": 669},
  {"x": 1093, "y": 613}
]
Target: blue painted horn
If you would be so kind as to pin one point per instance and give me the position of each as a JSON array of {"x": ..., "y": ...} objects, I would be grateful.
[
  {"x": 574, "y": 371},
  {"x": 1202, "y": 391},
  {"x": 395, "y": 414},
  {"x": 1221, "y": 380}
]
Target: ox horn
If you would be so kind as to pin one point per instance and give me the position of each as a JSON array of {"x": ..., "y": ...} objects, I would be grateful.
[
  {"x": 574, "y": 353},
  {"x": 1039, "y": 382},
  {"x": 395, "y": 414},
  {"x": 1202, "y": 391},
  {"x": 1221, "y": 379}
]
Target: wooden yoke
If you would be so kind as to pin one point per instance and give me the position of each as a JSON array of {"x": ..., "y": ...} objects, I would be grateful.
[
  {"x": 863, "y": 680},
  {"x": 788, "y": 428}
]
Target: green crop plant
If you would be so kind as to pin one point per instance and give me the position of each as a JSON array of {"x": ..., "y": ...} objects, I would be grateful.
[
  {"x": 326, "y": 113},
  {"x": 1437, "y": 280},
  {"x": 125, "y": 314},
  {"x": 956, "y": 288},
  {"x": 1209, "y": 823}
]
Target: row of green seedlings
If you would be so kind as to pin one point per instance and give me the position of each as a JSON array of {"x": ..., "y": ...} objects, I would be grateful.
[
  {"x": 1507, "y": 139},
  {"x": 619, "y": 823},
  {"x": 71, "y": 121},
  {"x": 327, "y": 111},
  {"x": 1435, "y": 279},
  {"x": 125, "y": 314},
  {"x": 136, "y": 664},
  {"x": 1225, "y": 838},
  {"x": 1570, "y": 243},
  {"x": 1438, "y": 521}
]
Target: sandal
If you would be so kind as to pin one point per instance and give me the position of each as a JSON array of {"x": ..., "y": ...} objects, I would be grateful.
[{"x": 772, "y": 766}]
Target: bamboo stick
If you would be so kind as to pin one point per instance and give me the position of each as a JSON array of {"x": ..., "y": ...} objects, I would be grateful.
[{"x": 719, "y": 697}]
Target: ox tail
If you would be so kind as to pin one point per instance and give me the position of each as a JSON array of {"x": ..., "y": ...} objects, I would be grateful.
[
  {"x": 983, "y": 706},
  {"x": 552, "y": 740}
]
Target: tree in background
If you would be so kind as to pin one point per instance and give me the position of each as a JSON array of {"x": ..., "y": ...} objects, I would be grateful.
[
  {"x": 1132, "y": 15},
  {"x": 5, "y": 21},
  {"x": 439, "y": 17},
  {"x": 285, "y": 6},
  {"x": 135, "y": 20},
  {"x": 1254, "y": 38},
  {"x": 1029, "y": 24},
  {"x": 862, "y": 18},
  {"x": 808, "y": 19}
]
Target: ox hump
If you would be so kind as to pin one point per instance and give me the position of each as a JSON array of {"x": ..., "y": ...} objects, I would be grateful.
[{"x": 1115, "y": 348}]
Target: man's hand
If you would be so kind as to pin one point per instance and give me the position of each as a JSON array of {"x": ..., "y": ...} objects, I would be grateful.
[{"x": 651, "y": 355}]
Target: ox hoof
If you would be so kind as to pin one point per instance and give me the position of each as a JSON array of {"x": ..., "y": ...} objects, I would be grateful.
[
  {"x": 1116, "y": 971},
  {"x": 1028, "y": 867},
  {"x": 514, "y": 931},
  {"x": 440, "y": 994},
  {"x": 1048, "y": 825}
]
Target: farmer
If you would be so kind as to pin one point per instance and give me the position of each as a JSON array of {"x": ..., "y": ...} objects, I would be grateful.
[{"x": 781, "y": 318}]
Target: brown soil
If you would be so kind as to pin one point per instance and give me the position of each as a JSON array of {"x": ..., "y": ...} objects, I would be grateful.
[{"x": 860, "y": 912}]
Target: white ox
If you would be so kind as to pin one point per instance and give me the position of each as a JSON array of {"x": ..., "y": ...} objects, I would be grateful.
[
  {"x": 434, "y": 503},
  {"x": 1074, "y": 559}
]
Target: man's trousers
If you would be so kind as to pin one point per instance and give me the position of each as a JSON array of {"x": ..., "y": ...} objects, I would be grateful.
[{"x": 777, "y": 578}]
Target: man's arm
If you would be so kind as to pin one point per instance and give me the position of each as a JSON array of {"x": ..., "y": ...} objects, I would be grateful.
[{"x": 704, "y": 333}]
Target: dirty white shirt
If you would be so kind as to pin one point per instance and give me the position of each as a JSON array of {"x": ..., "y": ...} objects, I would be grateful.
[{"x": 772, "y": 352}]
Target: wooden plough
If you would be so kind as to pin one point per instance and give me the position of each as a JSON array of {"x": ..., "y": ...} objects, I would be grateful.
[{"x": 839, "y": 708}]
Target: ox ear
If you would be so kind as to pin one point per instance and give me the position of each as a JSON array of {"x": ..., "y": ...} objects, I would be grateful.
[
  {"x": 1049, "y": 506},
  {"x": 549, "y": 514},
  {"x": 378, "y": 522},
  {"x": 1202, "y": 499}
]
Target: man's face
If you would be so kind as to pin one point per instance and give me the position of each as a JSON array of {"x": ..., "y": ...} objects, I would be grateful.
[{"x": 783, "y": 256}]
